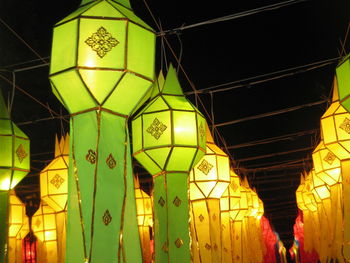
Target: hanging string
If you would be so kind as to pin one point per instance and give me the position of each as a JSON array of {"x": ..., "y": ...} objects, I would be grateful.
[
  {"x": 13, "y": 92},
  {"x": 180, "y": 53}
]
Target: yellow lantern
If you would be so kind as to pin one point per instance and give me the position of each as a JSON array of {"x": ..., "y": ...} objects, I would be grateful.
[
  {"x": 326, "y": 164},
  {"x": 230, "y": 198},
  {"x": 145, "y": 220},
  {"x": 54, "y": 177},
  {"x": 17, "y": 220},
  {"x": 44, "y": 227},
  {"x": 54, "y": 190},
  {"x": 208, "y": 180}
]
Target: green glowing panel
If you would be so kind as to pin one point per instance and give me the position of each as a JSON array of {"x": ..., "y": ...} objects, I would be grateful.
[
  {"x": 178, "y": 102},
  {"x": 181, "y": 159},
  {"x": 3, "y": 225},
  {"x": 5, "y": 127},
  {"x": 160, "y": 217},
  {"x": 100, "y": 82},
  {"x": 185, "y": 130},
  {"x": 64, "y": 48},
  {"x": 73, "y": 90},
  {"x": 17, "y": 177},
  {"x": 58, "y": 96},
  {"x": 18, "y": 132},
  {"x": 160, "y": 156},
  {"x": 5, "y": 179},
  {"x": 3, "y": 109},
  {"x": 127, "y": 97},
  {"x": 6, "y": 151},
  {"x": 104, "y": 9},
  {"x": 137, "y": 35},
  {"x": 178, "y": 209},
  {"x": 73, "y": 15},
  {"x": 102, "y": 43},
  {"x": 136, "y": 134},
  {"x": 343, "y": 77},
  {"x": 156, "y": 105},
  {"x": 172, "y": 85},
  {"x": 148, "y": 163},
  {"x": 157, "y": 129}
]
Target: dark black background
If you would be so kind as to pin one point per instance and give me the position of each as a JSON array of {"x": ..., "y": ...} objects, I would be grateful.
[{"x": 212, "y": 55}]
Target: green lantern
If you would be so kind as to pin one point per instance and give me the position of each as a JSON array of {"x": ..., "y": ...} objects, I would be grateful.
[
  {"x": 102, "y": 70},
  {"x": 14, "y": 166},
  {"x": 343, "y": 77},
  {"x": 169, "y": 138}
]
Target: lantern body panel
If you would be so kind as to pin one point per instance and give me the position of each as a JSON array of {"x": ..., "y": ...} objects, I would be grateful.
[{"x": 343, "y": 77}]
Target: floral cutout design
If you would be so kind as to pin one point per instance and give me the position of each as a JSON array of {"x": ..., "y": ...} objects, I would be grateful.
[
  {"x": 102, "y": 42},
  {"x": 330, "y": 157},
  {"x": 205, "y": 167},
  {"x": 111, "y": 162},
  {"x": 57, "y": 181},
  {"x": 345, "y": 125},
  {"x": 156, "y": 129},
  {"x": 107, "y": 218},
  {"x": 91, "y": 156}
]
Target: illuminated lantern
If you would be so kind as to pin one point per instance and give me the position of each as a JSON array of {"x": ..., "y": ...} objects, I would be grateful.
[
  {"x": 209, "y": 179},
  {"x": 335, "y": 125},
  {"x": 238, "y": 212},
  {"x": 343, "y": 76},
  {"x": 229, "y": 199},
  {"x": 30, "y": 249},
  {"x": 102, "y": 73},
  {"x": 145, "y": 220},
  {"x": 54, "y": 190},
  {"x": 14, "y": 166},
  {"x": 269, "y": 240},
  {"x": 168, "y": 140},
  {"x": 17, "y": 220},
  {"x": 44, "y": 227}
]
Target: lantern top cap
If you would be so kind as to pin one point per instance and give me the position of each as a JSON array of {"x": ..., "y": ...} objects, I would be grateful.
[
  {"x": 62, "y": 145},
  {"x": 3, "y": 109},
  {"x": 335, "y": 96},
  {"x": 125, "y": 3},
  {"x": 168, "y": 86}
]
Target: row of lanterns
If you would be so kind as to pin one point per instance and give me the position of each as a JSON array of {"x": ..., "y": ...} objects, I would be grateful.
[
  {"x": 223, "y": 211},
  {"x": 323, "y": 193}
]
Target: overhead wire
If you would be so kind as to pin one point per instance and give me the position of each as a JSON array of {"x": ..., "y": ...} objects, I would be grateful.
[{"x": 234, "y": 16}]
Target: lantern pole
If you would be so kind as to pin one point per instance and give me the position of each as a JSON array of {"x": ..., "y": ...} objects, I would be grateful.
[{"x": 102, "y": 74}]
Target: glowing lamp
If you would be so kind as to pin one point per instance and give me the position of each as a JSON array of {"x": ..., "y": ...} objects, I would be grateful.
[
  {"x": 102, "y": 70},
  {"x": 54, "y": 177},
  {"x": 14, "y": 152},
  {"x": 168, "y": 140},
  {"x": 343, "y": 77},
  {"x": 145, "y": 220},
  {"x": 30, "y": 249},
  {"x": 44, "y": 227},
  {"x": 335, "y": 125},
  {"x": 327, "y": 164},
  {"x": 208, "y": 181}
]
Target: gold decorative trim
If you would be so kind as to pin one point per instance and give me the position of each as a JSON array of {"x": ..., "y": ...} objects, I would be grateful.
[
  {"x": 345, "y": 125},
  {"x": 329, "y": 158},
  {"x": 207, "y": 246},
  {"x": 156, "y": 129},
  {"x": 201, "y": 217},
  {"x": 177, "y": 201},
  {"x": 205, "y": 167},
  {"x": 57, "y": 181}
]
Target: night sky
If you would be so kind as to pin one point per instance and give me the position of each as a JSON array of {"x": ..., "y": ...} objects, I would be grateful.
[{"x": 235, "y": 53}]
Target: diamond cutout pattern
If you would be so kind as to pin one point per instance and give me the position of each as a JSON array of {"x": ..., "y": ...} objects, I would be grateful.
[
  {"x": 345, "y": 125},
  {"x": 330, "y": 157},
  {"x": 205, "y": 167},
  {"x": 177, "y": 201},
  {"x": 101, "y": 42},
  {"x": 178, "y": 242},
  {"x": 57, "y": 181},
  {"x": 21, "y": 153},
  {"x": 156, "y": 129}
]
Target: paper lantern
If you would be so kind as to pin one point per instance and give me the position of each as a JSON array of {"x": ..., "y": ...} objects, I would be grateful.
[
  {"x": 54, "y": 177},
  {"x": 343, "y": 76},
  {"x": 145, "y": 220},
  {"x": 17, "y": 219},
  {"x": 44, "y": 227},
  {"x": 327, "y": 165},
  {"x": 30, "y": 249},
  {"x": 209, "y": 179},
  {"x": 102, "y": 73},
  {"x": 168, "y": 140},
  {"x": 229, "y": 199},
  {"x": 14, "y": 166}
]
